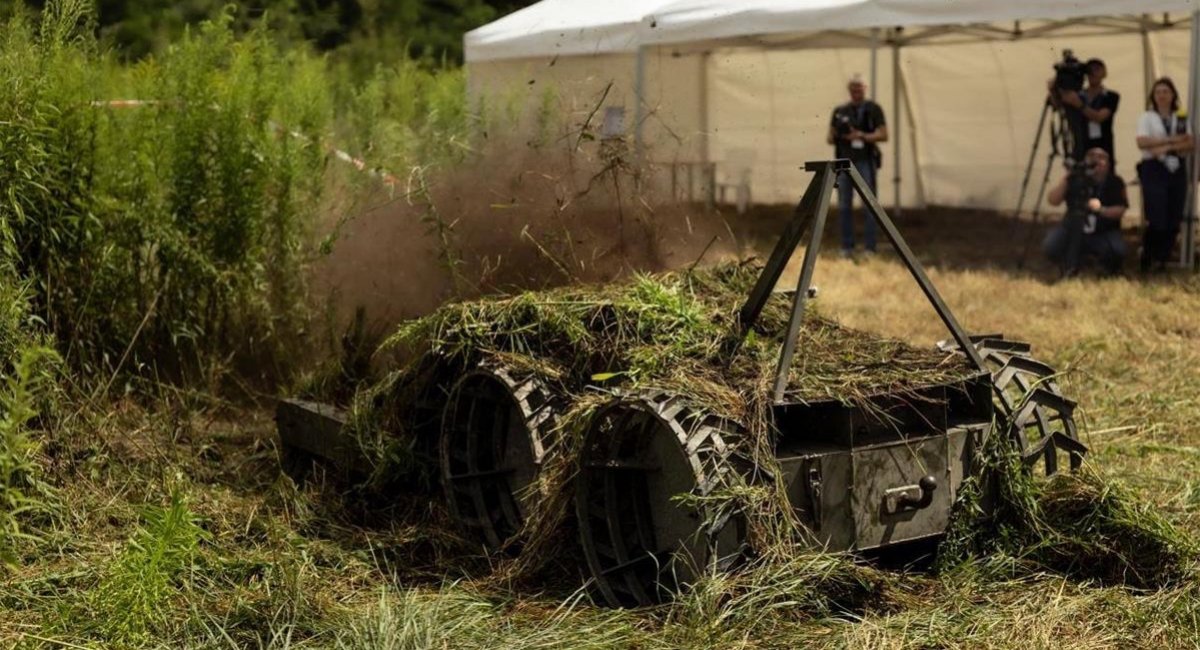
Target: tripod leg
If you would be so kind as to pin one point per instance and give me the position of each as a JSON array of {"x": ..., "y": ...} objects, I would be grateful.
[
  {"x": 1037, "y": 141},
  {"x": 1058, "y": 139},
  {"x": 784, "y": 248}
]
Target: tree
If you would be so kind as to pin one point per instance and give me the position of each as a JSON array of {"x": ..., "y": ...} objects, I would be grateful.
[{"x": 427, "y": 29}]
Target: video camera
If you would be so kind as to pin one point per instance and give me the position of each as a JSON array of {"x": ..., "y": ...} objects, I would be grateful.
[
  {"x": 1078, "y": 220},
  {"x": 1079, "y": 183},
  {"x": 1069, "y": 73}
]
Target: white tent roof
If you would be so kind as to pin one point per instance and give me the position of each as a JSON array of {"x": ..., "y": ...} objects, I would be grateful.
[
  {"x": 554, "y": 27},
  {"x": 686, "y": 21},
  {"x": 566, "y": 27}
]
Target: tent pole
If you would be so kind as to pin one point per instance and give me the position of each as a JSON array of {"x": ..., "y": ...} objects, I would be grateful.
[
  {"x": 911, "y": 120},
  {"x": 639, "y": 111},
  {"x": 709, "y": 171},
  {"x": 1189, "y": 230},
  {"x": 874, "y": 58},
  {"x": 895, "y": 131},
  {"x": 1149, "y": 58}
]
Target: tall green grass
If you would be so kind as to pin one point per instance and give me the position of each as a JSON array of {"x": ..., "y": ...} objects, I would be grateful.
[
  {"x": 23, "y": 495},
  {"x": 170, "y": 234},
  {"x": 404, "y": 114},
  {"x": 173, "y": 236},
  {"x": 27, "y": 366}
]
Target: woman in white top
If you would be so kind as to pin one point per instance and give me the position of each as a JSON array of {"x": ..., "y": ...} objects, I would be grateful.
[{"x": 1163, "y": 138}]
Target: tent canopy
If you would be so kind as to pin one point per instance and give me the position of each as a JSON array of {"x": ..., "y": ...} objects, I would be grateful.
[
  {"x": 562, "y": 27},
  {"x": 570, "y": 27},
  {"x": 688, "y": 21}
]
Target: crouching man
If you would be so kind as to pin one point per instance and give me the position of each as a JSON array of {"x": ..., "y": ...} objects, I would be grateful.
[{"x": 1096, "y": 201}]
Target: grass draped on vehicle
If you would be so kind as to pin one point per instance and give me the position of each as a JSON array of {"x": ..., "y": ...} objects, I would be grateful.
[
  {"x": 670, "y": 331},
  {"x": 677, "y": 332}
]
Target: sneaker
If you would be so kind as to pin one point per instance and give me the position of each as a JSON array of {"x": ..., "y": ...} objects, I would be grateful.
[{"x": 848, "y": 253}]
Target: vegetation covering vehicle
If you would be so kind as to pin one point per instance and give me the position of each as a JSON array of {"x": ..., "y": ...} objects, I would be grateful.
[{"x": 676, "y": 431}]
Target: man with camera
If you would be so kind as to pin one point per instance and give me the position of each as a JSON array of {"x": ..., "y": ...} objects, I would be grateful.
[
  {"x": 1091, "y": 111},
  {"x": 1096, "y": 201},
  {"x": 855, "y": 131}
]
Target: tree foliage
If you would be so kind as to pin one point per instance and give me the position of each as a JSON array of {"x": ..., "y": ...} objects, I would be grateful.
[{"x": 430, "y": 29}]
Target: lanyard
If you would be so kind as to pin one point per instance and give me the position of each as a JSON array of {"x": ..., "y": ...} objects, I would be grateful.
[{"x": 1172, "y": 125}]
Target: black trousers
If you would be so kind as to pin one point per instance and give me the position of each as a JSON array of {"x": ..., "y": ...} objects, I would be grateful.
[
  {"x": 1106, "y": 246},
  {"x": 1164, "y": 195}
]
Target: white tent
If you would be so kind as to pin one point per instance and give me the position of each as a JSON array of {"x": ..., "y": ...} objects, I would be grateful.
[{"x": 750, "y": 83}]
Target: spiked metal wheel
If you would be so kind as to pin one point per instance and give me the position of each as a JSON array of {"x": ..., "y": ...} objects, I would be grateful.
[
  {"x": 641, "y": 540},
  {"x": 1036, "y": 416},
  {"x": 496, "y": 431}
]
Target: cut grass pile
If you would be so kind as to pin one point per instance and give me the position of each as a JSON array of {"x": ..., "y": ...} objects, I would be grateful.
[
  {"x": 671, "y": 331},
  {"x": 675, "y": 331},
  {"x": 1080, "y": 525}
]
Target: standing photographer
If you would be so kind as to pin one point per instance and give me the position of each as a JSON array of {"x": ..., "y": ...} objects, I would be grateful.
[
  {"x": 856, "y": 130},
  {"x": 1092, "y": 112},
  {"x": 1163, "y": 138},
  {"x": 1096, "y": 201}
]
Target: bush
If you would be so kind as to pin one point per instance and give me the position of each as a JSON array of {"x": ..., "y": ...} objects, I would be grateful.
[{"x": 168, "y": 234}]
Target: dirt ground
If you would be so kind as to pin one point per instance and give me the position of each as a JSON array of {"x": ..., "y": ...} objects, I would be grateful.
[{"x": 941, "y": 236}]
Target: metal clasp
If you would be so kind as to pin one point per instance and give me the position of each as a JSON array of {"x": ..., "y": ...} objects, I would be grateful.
[
  {"x": 909, "y": 497},
  {"x": 814, "y": 495}
]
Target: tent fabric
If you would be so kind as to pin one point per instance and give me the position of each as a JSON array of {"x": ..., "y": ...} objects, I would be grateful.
[
  {"x": 560, "y": 28},
  {"x": 580, "y": 27},
  {"x": 702, "y": 20},
  {"x": 975, "y": 109}
]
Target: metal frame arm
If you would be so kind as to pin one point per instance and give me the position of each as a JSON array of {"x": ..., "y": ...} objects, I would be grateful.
[
  {"x": 813, "y": 209},
  {"x": 793, "y": 233},
  {"x": 917, "y": 271}
]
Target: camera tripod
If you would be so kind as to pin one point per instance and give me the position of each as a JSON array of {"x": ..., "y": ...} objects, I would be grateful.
[{"x": 1061, "y": 144}]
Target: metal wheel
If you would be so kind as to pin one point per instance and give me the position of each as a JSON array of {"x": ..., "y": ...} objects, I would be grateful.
[
  {"x": 495, "y": 433},
  {"x": 1033, "y": 411},
  {"x": 640, "y": 540}
]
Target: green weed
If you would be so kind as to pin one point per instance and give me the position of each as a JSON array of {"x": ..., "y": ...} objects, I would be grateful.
[
  {"x": 23, "y": 493},
  {"x": 135, "y": 597}
]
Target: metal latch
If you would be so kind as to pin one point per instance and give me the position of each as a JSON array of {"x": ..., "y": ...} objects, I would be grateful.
[
  {"x": 814, "y": 495},
  {"x": 909, "y": 497}
]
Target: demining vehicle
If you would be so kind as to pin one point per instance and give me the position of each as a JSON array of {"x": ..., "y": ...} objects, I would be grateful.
[{"x": 658, "y": 416}]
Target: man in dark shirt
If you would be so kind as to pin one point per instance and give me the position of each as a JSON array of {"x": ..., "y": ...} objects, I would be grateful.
[
  {"x": 855, "y": 130},
  {"x": 1092, "y": 225},
  {"x": 1092, "y": 111}
]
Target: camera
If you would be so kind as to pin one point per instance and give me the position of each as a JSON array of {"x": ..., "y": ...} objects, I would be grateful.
[
  {"x": 842, "y": 124},
  {"x": 1079, "y": 183},
  {"x": 1069, "y": 73}
]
